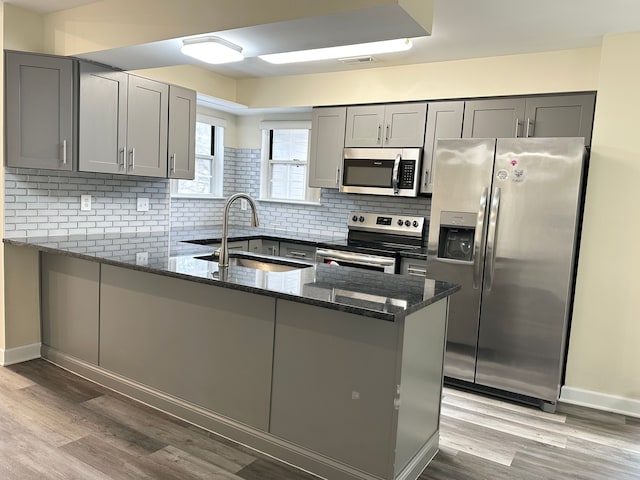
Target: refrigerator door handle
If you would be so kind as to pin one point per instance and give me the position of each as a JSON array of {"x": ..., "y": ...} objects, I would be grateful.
[
  {"x": 491, "y": 236},
  {"x": 478, "y": 240},
  {"x": 396, "y": 173}
]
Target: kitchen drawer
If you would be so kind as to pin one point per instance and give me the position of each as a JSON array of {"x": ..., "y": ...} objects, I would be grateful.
[
  {"x": 413, "y": 266},
  {"x": 297, "y": 250}
]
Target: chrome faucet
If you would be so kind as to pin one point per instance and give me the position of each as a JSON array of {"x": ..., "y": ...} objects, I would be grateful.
[{"x": 223, "y": 251}]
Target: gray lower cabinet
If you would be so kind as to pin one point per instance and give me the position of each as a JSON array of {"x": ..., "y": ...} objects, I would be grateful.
[
  {"x": 39, "y": 96},
  {"x": 102, "y": 119},
  {"x": 70, "y": 293},
  {"x": 326, "y": 146},
  {"x": 297, "y": 250},
  {"x": 147, "y": 121},
  {"x": 413, "y": 266},
  {"x": 182, "y": 133},
  {"x": 208, "y": 345},
  {"x": 334, "y": 384},
  {"x": 444, "y": 120}
]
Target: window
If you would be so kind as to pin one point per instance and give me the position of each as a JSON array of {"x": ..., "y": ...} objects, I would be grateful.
[
  {"x": 209, "y": 159},
  {"x": 285, "y": 162}
]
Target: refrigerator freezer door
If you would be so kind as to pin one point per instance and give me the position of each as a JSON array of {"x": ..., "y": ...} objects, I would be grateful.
[
  {"x": 527, "y": 282},
  {"x": 463, "y": 171}
]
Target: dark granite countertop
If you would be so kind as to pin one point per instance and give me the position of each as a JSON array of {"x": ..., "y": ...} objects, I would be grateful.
[{"x": 377, "y": 295}]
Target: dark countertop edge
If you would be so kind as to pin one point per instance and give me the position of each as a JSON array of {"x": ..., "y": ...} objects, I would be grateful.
[
  {"x": 259, "y": 236},
  {"x": 391, "y": 317},
  {"x": 417, "y": 254}
]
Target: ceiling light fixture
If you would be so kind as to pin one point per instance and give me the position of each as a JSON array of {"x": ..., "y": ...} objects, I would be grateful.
[
  {"x": 212, "y": 50},
  {"x": 357, "y": 50}
]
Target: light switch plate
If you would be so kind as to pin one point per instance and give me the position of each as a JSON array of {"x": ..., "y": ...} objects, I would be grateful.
[
  {"x": 142, "y": 258},
  {"x": 243, "y": 204},
  {"x": 143, "y": 204},
  {"x": 85, "y": 203}
]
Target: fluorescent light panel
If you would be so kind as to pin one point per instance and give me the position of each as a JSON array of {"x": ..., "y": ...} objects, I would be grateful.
[
  {"x": 212, "y": 50},
  {"x": 360, "y": 49}
]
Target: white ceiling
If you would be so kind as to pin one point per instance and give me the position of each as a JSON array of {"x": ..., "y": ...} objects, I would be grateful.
[
  {"x": 48, "y": 6},
  {"x": 461, "y": 29}
]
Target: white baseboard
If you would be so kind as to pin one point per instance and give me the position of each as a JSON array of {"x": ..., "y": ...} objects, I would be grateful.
[
  {"x": 19, "y": 354},
  {"x": 600, "y": 401}
]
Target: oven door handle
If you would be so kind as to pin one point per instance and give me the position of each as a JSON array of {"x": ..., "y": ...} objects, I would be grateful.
[
  {"x": 355, "y": 258},
  {"x": 396, "y": 173}
]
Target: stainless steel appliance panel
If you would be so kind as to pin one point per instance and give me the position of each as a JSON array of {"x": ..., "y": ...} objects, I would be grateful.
[
  {"x": 463, "y": 173},
  {"x": 530, "y": 251}
]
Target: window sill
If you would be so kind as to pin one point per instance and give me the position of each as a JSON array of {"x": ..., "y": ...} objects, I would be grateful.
[
  {"x": 197, "y": 197},
  {"x": 292, "y": 202}
]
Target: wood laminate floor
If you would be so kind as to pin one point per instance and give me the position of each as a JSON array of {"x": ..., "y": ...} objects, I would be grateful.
[{"x": 55, "y": 425}]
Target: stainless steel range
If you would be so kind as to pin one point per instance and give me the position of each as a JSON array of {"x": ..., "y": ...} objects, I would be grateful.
[{"x": 375, "y": 241}]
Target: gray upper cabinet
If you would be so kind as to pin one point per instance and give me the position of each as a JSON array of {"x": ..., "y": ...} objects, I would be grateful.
[
  {"x": 444, "y": 120},
  {"x": 147, "y": 121},
  {"x": 182, "y": 135},
  {"x": 39, "y": 111},
  {"x": 500, "y": 118},
  {"x": 327, "y": 143},
  {"x": 103, "y": 119},
  {"x": 543, "y": 116},
  {"x": 560, "y": 116},
  {"x": 394, "y": 125}
]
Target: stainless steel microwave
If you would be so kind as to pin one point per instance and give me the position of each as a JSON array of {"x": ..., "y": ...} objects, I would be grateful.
[{"x": 381, "y": 171}]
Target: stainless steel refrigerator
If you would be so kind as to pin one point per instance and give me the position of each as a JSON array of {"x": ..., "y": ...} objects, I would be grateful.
[{"x": 504, "y": 224}]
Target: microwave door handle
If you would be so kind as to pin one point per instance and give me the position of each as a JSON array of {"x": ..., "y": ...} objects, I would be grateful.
[{"x": 396, "y": 173}]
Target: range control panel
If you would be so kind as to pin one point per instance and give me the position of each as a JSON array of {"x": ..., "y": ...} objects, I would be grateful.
[{"x": 383, "y": 223}]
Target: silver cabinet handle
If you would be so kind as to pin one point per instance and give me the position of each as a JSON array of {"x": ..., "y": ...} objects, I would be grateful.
[
  {"x": 132, "y": 156},
  {"x": 297, "y": 254},
  {"x": 491, "y": 237},
  {"x": 478, "y": 239},
  {"x": 417, "y": 271},
  {"x": 396, "y": 173},
  {"x": 517, "y": 127},
  {"x": 121, "y": 164},
  {"x": 529, "y": 131},
  {"x": 337, "y": 176},
  {"x": 379, "y": 132},
  {"x": 64, "y": 152},
  {"x": 386, "y": 136},
  {"x": 172, "y": 167}
]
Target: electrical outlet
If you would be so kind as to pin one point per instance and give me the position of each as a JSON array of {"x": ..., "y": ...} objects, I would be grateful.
[
  {"x": 142, "y": 258},
  {"x": 243, "y": 204},
  {"x": 85, "y": 202},
  {"x": 143, "y": 204}
]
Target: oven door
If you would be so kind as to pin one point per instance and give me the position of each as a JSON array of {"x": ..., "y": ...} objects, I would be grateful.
[{"x": 377, "y": 263}]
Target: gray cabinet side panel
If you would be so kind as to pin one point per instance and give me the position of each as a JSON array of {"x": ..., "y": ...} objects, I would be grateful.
[
  {"x": 182, "y": 134},
  {"x": 148, "y": 110},
  {"x": 39, "y": 111},
  {"x": 421, "y": 380},
  {"x": 70, "y": 295},
  {"x": 103, "y": 119},
  {"x": 501, "y": 118},
  {"x": 334, "y": 382},
  {"x": 208, "y": 345}
]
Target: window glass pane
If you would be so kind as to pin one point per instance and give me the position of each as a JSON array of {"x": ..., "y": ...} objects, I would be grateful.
[
  {"x": 201, "y": 184},
  {"x": 289, "y": 144},
  {"x": 203, "y": 139}
]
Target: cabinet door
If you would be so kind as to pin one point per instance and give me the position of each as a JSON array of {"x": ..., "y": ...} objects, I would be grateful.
[
  {"x": 270, "y": 247},
  {"x": 364, "y": 126},
  {"x": 147, "y": 118},
  {"x": 327, "y": 144},
  {"x": 502, "y": 118},
  {"x": 560, "y": 116},
  {"x": 297, "y": 250},
  {"x": 182, "y": 133},
  {"x": 444, "y": 120},
  {"x": 103, "y": 120},
  {"x": 70, "y": 305},
  {"x": 413, "y": 266},
  {"x": 404, "y": 125},
  {"x": 39, "y": 111}
]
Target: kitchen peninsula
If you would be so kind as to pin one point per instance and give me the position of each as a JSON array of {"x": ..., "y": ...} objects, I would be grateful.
[{"x": 333, "y": 369}]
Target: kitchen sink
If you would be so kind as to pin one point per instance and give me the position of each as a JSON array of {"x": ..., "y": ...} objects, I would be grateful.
[{"x": 268, "y": 264}]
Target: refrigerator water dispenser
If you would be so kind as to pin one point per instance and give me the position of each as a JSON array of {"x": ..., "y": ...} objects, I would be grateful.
[{"x": 457, "y": 231}]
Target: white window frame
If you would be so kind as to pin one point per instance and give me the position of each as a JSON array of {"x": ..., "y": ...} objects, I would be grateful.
[
  {"x": 312, "y": 195},
  {"x": 217, "y": 161}
]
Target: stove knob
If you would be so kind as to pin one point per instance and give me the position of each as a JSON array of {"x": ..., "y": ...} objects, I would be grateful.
[
  {"x": 361, "y": 218},
  {"x": 415, "y": 223},
  {"x": 400, "y": 222},
  {"x": 354, "y": 218},
  {"x": 407, "y": 223}
]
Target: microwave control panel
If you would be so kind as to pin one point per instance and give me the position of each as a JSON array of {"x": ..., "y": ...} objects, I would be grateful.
[{"x": 407, "y": 173}]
